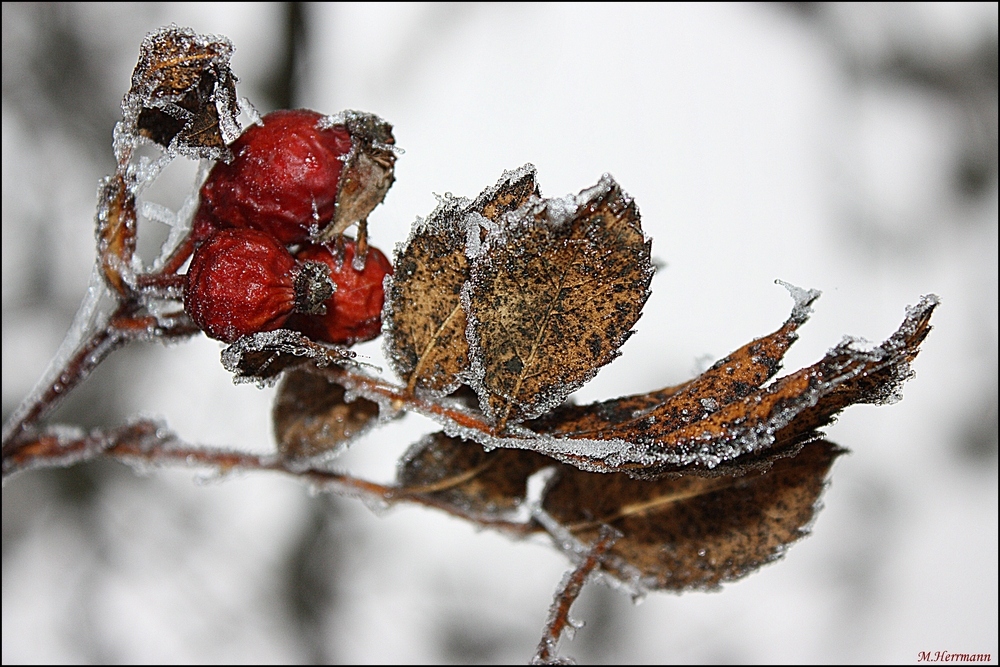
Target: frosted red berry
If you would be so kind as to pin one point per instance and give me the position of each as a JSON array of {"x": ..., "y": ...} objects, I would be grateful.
[
  {"x": 240, "y": 281},
  {"x": 283, "y": 178},
  {"x": 299, "y": 171},
  {"x": 354, "y": 312}
]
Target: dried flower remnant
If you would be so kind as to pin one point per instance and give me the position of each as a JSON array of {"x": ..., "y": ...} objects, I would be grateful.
[
  {"x": 368, "y": 171},
  {"x": 183, "y": 98},
  {"x": 183, "y": 93}
]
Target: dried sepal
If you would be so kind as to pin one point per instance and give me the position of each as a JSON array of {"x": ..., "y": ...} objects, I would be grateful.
[
  {"x": 116, "y": 229},
  {"x": 552, "y": 294},
  {"x": 693, "y": 532},
  {"x": 312, "y": 416},
  {"x": 425, "y": 324},
  {"x": 262, "y": 357},
  {"x": 367, "y": 175},
  {"x": 183, "y": 93}
]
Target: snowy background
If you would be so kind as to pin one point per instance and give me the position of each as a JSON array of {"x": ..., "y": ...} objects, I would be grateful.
[{"x": 852, "y": 149}]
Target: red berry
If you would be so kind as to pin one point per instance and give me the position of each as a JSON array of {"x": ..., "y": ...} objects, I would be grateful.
[
  {"x": 354, "y": 312},
  {"x": 287, "y": 175},
  {"x": 240, "y": 281},
  {"x": 283, "y": 178}
]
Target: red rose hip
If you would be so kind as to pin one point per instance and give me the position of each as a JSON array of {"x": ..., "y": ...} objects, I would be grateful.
[
  {"x": 243, "y": 281},
  {"x": 354, "y": 312},
  {"x": 300, "y": 170}
]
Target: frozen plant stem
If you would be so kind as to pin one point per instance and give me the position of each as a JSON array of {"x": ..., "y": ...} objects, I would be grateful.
[
  {"x": 148, "y": 443},
  {"x": 127, "y": 324},
  {"x": 566, "y": 595}
]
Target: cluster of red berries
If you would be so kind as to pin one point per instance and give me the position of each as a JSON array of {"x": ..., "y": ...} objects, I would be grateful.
[{"x": 270, "y": 254}]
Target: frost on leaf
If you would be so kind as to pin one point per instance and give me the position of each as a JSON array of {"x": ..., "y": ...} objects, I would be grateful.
[
  {"x": 552, "y": 297},
  {"x": 725, "y": 414},
  {"x": 261, "y": 357},
  {"x": 185, "y": 93},
  {"x": 462, "y": 474},
  {"x": 312, "y": 416},
  {"x": 424, "y": 320}
]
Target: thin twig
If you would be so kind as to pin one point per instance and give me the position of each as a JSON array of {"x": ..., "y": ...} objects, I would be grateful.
[
  {"x": 569, "y": 589},
  {"x": 149, "y": 443}
]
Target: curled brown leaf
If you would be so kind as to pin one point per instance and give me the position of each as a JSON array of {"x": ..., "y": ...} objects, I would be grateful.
[
  {"x": 662, "y": 439},
  {"x": 652, "y": 415}
]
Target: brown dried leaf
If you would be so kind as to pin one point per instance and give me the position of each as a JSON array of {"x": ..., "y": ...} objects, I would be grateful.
[
  {"x": 425, "y": 323},
  {"x": 462, "y": 474},
  {"x": 312, "y": 417},
  {"x": 693, "y": 532},
  {"x": 551, "y": 297},
  {"x": 186, "y": 92},
  {"x": 730, "y": 379},
  {"x": 262, "y": 357},
  {"x": 785, "y": 413},
  {"x": 677, "y": 532}
]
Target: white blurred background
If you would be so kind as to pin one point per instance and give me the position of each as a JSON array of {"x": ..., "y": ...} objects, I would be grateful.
[{"x": 852, "y": 149}]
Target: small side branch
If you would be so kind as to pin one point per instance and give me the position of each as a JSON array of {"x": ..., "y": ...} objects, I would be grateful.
[{"x": 570, "y": 588}]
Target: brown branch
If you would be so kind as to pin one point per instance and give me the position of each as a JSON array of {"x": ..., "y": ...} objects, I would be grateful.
[
  {"x": 570, "y": 588},
  {"x": 127, "y": 324},
  {"x": 149, "y": 443},
  {"x": 402, "y": 399}
]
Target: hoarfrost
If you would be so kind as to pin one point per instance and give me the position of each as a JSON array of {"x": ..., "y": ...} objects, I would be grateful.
[
  {"x": 247, "y": 107},
  {"x": 803, "y": 301},
  {"x": 93, "y": 314},
  {"x": 261, "y": 357},
  {"x": 180, "y": 222}
]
